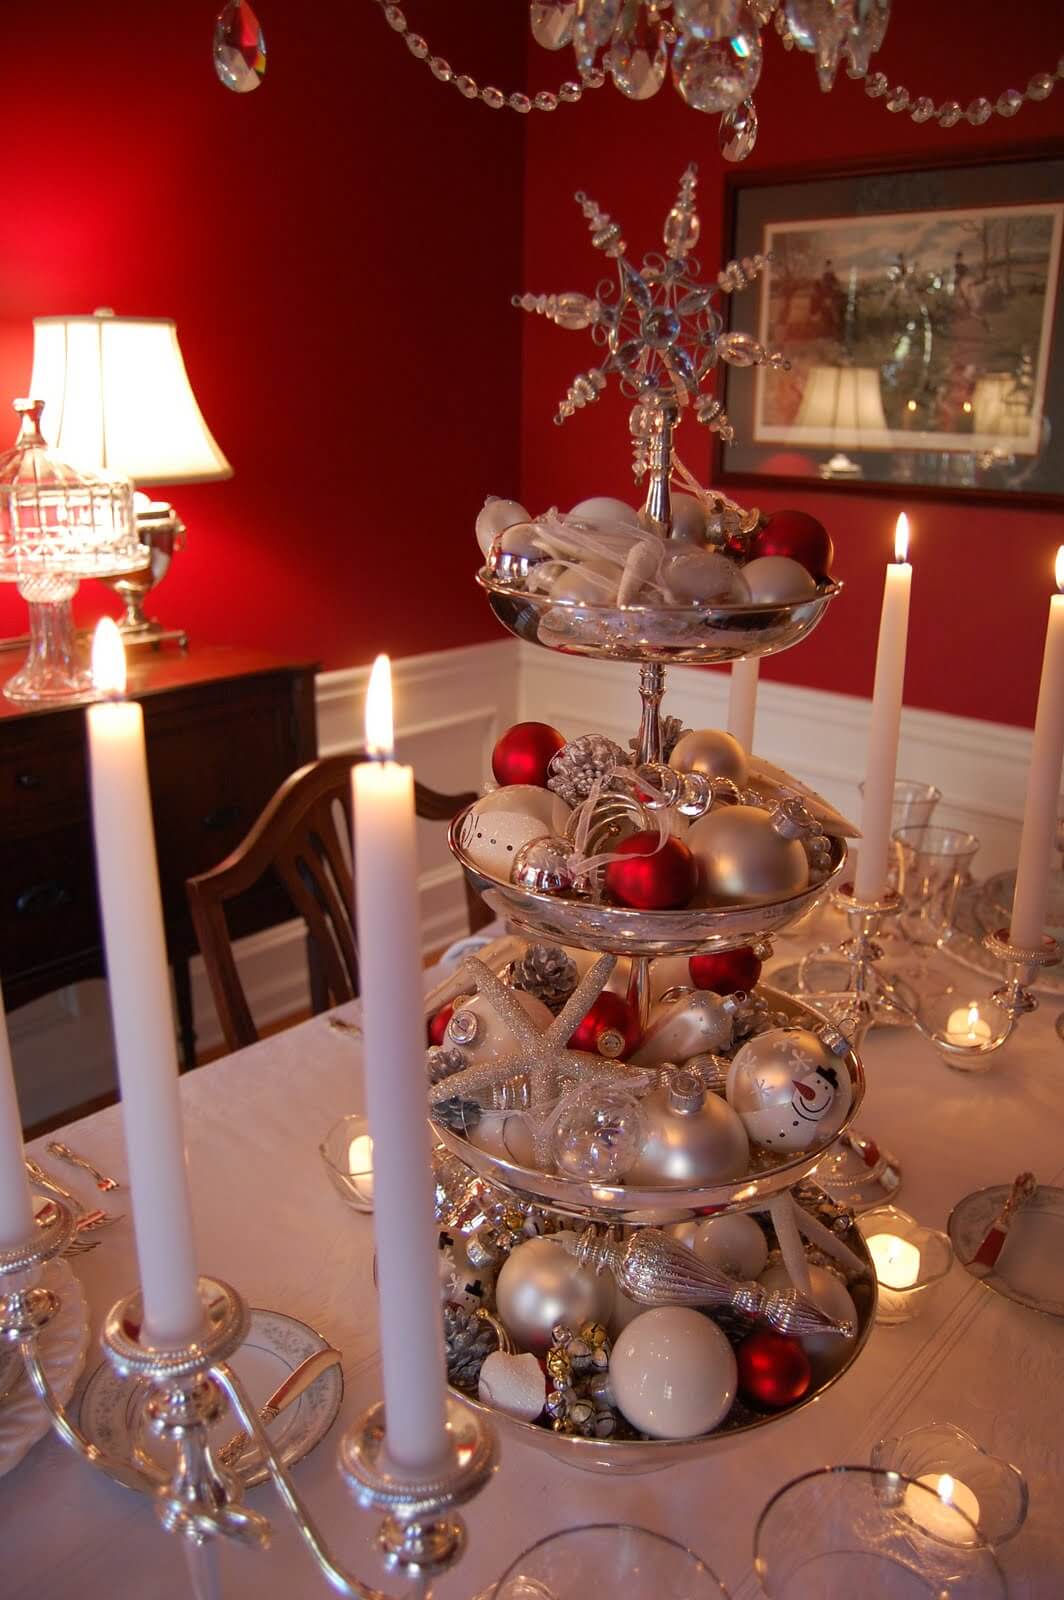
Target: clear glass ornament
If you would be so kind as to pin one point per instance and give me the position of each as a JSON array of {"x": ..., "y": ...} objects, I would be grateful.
[
  {"x": 979, "y": 111},
  {"x": 739, "y": 349},
  {"x": 738, "y": 132},
  {"x": 716, "y": 77},
  {"x": 639, "y": 57},
  {"x": 867, "y": 30},
  {"x": 240, "y": 48},
  {"x": 598, "y": 1133},
  {"x": 593, "y": 29},
  {"x": 707, "y": 19},
  {"x": 551, "y": 22}
]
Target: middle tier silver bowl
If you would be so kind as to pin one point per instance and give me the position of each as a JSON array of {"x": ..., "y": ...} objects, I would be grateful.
[
  {"x": 620, "y": 930},
  {"x": 660, "y": 1204}
]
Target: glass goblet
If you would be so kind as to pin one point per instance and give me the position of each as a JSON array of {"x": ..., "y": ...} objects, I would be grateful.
[
  {"x": 934, "y": 864},
  {"x": 613, "y": 1558},
  {"x": 841, "y": 1532}
]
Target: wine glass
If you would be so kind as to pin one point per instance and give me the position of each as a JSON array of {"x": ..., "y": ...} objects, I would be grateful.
[{"x": 610, "y": 1558}]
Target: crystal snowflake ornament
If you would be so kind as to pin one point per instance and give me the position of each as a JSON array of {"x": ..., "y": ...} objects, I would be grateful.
[{"x": 660, "y": 327}]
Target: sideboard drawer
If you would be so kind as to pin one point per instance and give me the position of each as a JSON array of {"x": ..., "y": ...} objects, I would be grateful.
[
  {"x": 47, "y": 899},
  {"x": 42, "y": 781}
]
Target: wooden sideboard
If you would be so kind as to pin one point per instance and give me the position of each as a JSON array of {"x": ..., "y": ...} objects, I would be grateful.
[{"x": 223, "y": 727}]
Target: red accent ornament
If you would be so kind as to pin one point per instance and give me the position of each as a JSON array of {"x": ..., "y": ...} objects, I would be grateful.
[
  {"x": 611, "y": 1028},
  {"x": 798, "y": 535},
  {"x": 524, "y": 753},
  {"x": 651, "y": 878},
  {"x": 725, "y": 971},
  {"x": 438, "y": 1024},
  {"x": 774, "y": 1370}
]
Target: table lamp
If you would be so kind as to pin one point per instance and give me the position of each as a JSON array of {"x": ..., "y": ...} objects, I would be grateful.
[
  {"x": 845, "y": 403},
  {"x": 57, "y": 526},
  {"x": 120, "y": 401}
]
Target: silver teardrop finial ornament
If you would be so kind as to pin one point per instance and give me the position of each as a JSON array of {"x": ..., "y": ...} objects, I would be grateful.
[{"x": 239, "y": 48}]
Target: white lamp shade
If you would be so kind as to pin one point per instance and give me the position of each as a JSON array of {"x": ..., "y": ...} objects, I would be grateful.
[
  {"x": 117, "y": 399},
  {"x": 843, "y": 404},
  {"x": 999, "y": 407}
]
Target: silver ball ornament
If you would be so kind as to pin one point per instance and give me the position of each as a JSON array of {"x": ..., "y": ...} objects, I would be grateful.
[
  {"x": 541, "y": 1285},
  {"x": 692, "y": 1137},
  {"x": 687, "y": 518},
  {"x": 673, "y": 1373},
  {"x": 789, "y": 1090},
  {"x": 690, "y": 1024},
  {"x": 713, "y": 753},
  {"x": 778, "y": 579},
  {"x": 542, "y": 865},
  {"x": 744, "y": 859},
  {"x": 482, "y": 1035}
]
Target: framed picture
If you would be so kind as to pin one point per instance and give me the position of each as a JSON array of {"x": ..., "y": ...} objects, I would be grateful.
[{"x": 918, "y": 311}]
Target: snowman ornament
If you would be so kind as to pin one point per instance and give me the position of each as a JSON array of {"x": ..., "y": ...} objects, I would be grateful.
[{"x": 788, "y": 1088}]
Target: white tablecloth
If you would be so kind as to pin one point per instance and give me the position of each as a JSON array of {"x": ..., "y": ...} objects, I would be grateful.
[{"x": 269, "y": 1221}]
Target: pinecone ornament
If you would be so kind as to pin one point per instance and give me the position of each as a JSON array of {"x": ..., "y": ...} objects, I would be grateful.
[
  {"x": 672, "y": 731},
  {"x": 580, "y": 763},
  {"x": 468, "y": 1340},
  {"x": 461, "y": 1116},
  {"x": 546, "y": 972},
  {"x": 441, "y": 1061}
]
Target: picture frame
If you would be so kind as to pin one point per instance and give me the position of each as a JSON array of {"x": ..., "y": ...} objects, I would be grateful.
[{"x": 919, "y": 307}]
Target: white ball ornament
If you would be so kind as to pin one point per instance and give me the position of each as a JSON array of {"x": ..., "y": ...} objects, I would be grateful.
[
  {"x": 789, "y": 1090},
  {"x": 481, "y": 1035},
  {"x": 743, "y": 858},
  {"x": 505, "y": 1135},
  {"x": 494, "y": 517},
  {"x": 541, "y": 1284},
  {"x": 702, "y": 577},
  {"x": 826, "y": 1351},
  {"x": 779, "y": 579},
  {"x": 672, "y": 1373},
  {"x": 586, "y": 586},
  {"x": 528, "y": 800},
  {"x": 604, "y": 511},
  {"x": 733, "y": 1242}
]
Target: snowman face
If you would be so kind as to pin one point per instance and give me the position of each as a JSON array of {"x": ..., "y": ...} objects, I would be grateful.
[
  {"x": 814, "y": 1094},
  {"x": 788, "y": 1092}
]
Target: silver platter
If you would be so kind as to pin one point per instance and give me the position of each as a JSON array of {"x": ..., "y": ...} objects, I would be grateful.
[
  {"x": 619, "y": 930},
  {"x": 612, "y": 1203},
  {"x": 629, "y": 1457},
  {"x": 695, "y": 635}
]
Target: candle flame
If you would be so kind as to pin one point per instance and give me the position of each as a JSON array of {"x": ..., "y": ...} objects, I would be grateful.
[
  {"x": 108, "y": 659},
  {"x": 901, "y": 538},
  {"x": 1060, "y": 569},
  {"x": 973, "y": 1017},
  {"x": 945, "y": 1489},
  {"x": 380, "y": 736}
]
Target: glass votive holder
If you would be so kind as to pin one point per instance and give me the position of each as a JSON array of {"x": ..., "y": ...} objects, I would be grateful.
[
  {"x": 965, "y": 1029},
  {"x": 607, "y": 1558},
  {"x": 347, "y": 1151},
  {"x": 908, "y": 1258},
  {"x": 991, "y": 1492},
  {"x": 842, "y": 1532}
]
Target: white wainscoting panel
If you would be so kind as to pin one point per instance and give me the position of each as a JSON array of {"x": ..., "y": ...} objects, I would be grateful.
[{"x": 980, "y": 767}]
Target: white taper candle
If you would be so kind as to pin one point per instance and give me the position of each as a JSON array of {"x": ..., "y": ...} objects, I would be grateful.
[
  {"x": 16, "y": 1217},
  {"x": 141, "y": 1013},
  {"x": 885, "y": 726},
  {"x": 393, "y": 1033},
  {"x": 1043, "y": 783},
  {"x": 742, "y": 700}
]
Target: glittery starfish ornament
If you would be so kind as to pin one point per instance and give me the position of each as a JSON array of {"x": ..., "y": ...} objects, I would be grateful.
[
  {"x": 542, "y": 1060},
  {"x": 662, "y": 332}
]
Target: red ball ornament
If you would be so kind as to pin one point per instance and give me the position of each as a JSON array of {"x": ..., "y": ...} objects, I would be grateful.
[
  {"x": 650, "y": 878},
  {"x": 798, "y": 535},
  {"x": 725, "y": 971},
  {"x": 611, "y": 1028},
  {"x": 524, "y": 753},
  {"x": 438, "y": 1024},
  {"x": 774, "y": 1370}
]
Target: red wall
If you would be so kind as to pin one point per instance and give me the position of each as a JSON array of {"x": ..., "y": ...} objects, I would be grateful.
[
  {"x": 338, "y": 250},
  {"x": 982, "y": 576}
]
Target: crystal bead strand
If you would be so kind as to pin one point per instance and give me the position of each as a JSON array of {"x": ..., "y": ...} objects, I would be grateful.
[
  {"x": 923, "y": 109},
  {"x": 546, "y": 100}
]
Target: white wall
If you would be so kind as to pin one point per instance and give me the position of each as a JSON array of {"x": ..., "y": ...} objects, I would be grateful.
[{"x": 450, "y": 708}]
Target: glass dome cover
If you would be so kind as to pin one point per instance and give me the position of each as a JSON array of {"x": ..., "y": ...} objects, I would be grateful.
[{"x": 56, "y": 519}]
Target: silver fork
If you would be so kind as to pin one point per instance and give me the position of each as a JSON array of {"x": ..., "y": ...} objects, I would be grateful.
[
  {"x": 45, "y": 1181},
  {"x": 64, "y": 1152}
]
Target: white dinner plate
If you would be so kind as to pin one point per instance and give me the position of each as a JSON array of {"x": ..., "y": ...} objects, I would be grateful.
[
  {"x": 274, "y": 1347},
  {"x": 63, "y": 1347},
  {"x": 1030, "y": 1268}
]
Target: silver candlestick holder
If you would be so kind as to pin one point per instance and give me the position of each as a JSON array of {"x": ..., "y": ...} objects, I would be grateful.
[
  {"x": 969, "y": 1036},
  {"x": 191, "y": 1386},
  {"x": 852, "y": 974}
]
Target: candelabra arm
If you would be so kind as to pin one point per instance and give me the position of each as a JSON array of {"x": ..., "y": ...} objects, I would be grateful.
[{"x": 126, "y": 1475}]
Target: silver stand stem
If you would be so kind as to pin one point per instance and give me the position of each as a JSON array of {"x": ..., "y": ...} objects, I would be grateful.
[{"x": 651, "y": 693}]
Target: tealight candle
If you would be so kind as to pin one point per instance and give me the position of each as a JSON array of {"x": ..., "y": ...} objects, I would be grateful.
[
  {"x": 937, "y": 1517},
  {"x": 897, "y": 1264},
  {"x": 360, "y": 1166},
  {"x": 965, "y": 1026}
]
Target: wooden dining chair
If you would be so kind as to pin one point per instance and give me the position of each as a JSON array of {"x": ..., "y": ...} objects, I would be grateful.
[{"x": 303, "y": 836}]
